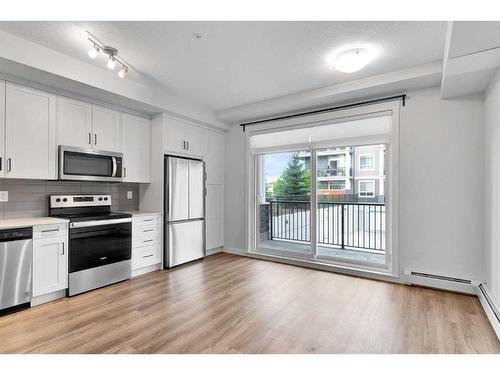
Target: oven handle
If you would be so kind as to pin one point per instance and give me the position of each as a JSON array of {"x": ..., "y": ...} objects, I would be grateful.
[
  {"x": 95, "y": 223},
  {"x": 114, "y": 166}
]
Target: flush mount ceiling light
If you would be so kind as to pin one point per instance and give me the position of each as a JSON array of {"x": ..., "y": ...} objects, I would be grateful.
[
  {"x": 350, "y": 60},
  {"x": 111, "y": 52}
]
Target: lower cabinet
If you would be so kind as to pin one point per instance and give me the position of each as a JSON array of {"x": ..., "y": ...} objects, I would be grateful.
[
  {"x": 146, "y": 243},
  {"x": 50, "y": 264}
]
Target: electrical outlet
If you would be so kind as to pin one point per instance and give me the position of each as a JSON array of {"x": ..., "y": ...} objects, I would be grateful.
[
  {"x": 4, "y": 196},
  {"x": 130, "y": 194}
]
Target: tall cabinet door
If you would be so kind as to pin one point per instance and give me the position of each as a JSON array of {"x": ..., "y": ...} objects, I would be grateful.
[
  {"x": 30, "y": 147},
  {"x": 2, "y": 128},
  {"x": 214, "y": 156},
  {"x": 136, "y": 134},
  {"x": 106, "y": 129}
]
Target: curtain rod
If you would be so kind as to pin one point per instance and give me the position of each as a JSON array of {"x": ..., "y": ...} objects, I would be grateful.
[{"x": 401, "y": 97}]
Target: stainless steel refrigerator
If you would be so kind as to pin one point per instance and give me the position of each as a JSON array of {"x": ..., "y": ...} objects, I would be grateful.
[{"x": 184, "y": 210}]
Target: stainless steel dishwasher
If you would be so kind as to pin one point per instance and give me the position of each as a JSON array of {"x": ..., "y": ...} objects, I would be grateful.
[{"x": 16, "y": 249}]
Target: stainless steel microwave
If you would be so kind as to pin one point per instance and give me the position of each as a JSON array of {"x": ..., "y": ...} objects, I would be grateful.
[{"x": 83, "y": 164}]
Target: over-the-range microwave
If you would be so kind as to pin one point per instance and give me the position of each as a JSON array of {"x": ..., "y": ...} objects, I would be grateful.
[{"x": 84, "y": 164}]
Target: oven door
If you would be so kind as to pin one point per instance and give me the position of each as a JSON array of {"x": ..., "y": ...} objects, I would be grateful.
[
  {"x": 89, "y": 165},
  {"x": 99, "y": 245}
]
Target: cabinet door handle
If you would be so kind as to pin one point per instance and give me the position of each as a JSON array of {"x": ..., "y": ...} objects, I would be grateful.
[
  {"x": 187, "y": 142},
  {"x": 148, "y": 230},
  {"x": 124, "y": 172},
  {"x": 50, "y": 230},
  {"x": 62, "y": 248},
  {"x": 147, "y": 256},
  {"x": 95, "y": 139},
  {"x": 147, "y": 241},
  {"x": 9, "y": 164},
  {"x": 147, "y": 220},
  {"x": 1, "y": 163},
  {"x": 90, "y": 138}
]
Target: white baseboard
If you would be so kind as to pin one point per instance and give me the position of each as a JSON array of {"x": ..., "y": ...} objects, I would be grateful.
[
  {"x": 144, "y": 270},
  {"x": 49, "y": 297},
  {"x": 215, "y": 251},
  {"x": 487, "y": 301}
]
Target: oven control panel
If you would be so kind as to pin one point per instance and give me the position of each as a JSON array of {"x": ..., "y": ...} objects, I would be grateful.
[{"x": 84, "y": 200}]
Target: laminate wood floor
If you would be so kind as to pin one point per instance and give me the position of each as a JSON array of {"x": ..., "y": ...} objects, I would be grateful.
[{"x": 233, "y": 304}]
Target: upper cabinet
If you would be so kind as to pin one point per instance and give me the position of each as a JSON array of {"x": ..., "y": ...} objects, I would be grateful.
[
  {"x": 81, "y": 124},
  {"x": 74, "y": 122},
  {"x": 182, "y": 137},
  {"x": 106, "y": 129},
  {"x": 136, "y": 138},
  {"x": 214, "y": 156},
  {"x": 30, "y": 133}
]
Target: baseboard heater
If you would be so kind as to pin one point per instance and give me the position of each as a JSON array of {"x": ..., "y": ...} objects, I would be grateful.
[
  {"x": 443, "y": 278},
  {"x": 490, "y": 302}
]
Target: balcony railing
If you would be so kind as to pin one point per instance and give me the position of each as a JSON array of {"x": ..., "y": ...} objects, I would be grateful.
[
  {"x": 358, "y": 225},
  {"x": 333, "y": 172}
]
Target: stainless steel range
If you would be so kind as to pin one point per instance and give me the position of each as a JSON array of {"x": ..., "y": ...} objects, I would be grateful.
[{"x": 100, "y": 241}]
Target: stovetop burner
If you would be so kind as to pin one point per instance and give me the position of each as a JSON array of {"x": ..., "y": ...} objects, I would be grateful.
[{"x": 87, "y": 207}]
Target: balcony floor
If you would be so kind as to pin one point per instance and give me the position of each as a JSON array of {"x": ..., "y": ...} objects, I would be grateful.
[{"x": 329, "y": 251}]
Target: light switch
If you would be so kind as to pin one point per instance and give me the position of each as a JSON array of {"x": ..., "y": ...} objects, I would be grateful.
[
  {"x": 4, "y": 196},
  {"x": 130, "y": 194}
]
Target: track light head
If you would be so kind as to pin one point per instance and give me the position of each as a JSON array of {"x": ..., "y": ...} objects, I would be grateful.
[
  {"x": 94, "y": 51},
  {"x": 111, "y": 63},
  {"x": 123, "y": 72}
]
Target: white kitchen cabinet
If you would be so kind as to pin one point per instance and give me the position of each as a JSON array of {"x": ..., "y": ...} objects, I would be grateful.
[
  {"x": 2, "y": 129},
  {"x": 182, "y": 137},
  {"x": 135, "y": 145},
  {"x": 106, "y": 129},
  {"x": 214, "y": 216},
  {"x": 214, "y": 156},
  {"x": 30, "y": 133},
  {"x": 50, "y": 265},
  {"x": 194, "y": 139},
  {"x": 146, "y": 243},
  {"x": 74, "y": 123}
]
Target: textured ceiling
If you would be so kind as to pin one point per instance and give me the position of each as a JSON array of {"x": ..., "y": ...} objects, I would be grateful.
[{"x": 236, "y": 63}]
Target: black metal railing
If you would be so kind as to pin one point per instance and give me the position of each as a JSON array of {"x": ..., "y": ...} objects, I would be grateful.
[{"x": 340, "y": 224}]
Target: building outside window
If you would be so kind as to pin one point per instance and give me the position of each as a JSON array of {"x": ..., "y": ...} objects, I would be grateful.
[
  {"x": 367, "y": 162},
  {"x": 366, "y": 188}
]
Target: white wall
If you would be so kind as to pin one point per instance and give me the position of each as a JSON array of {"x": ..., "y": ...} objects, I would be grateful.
[
  {"x": 440, "y": 187},
  {"x": 492, "y": 189}
]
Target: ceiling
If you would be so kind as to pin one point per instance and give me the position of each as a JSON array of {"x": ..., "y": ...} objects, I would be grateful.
[{"x": 237, "y": 63}]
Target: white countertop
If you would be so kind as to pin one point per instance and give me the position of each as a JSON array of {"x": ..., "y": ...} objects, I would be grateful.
[
  {"x": 141, "y": 213},
  {"x": 29, "y": 222}
]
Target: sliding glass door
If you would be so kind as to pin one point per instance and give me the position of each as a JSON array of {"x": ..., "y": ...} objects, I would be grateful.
[
  {"x": 324, "y": 204},
  {"x": 284, "y": 203}
]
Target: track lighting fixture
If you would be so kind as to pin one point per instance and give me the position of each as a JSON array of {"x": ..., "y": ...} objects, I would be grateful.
[
  {"x": 111, "y": 63},
  {"x": 112, "y": 54},
  {"x": 123, "y": 72},
  {"x": 94, "y": 51}
]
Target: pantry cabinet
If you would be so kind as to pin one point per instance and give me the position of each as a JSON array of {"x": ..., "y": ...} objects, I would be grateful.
[
  {"x": 214, "y": 156},
  {"x": 136, "y": 138},
  {"x": 30, "y": 133}
]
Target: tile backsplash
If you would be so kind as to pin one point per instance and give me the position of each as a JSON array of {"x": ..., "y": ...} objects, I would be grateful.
[{"x": 30, "y": 197}]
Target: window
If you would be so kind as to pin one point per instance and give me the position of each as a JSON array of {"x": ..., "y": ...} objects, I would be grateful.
[
  {"x": 366, "y": 188},
  {"x": 367, "y": 162}
]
